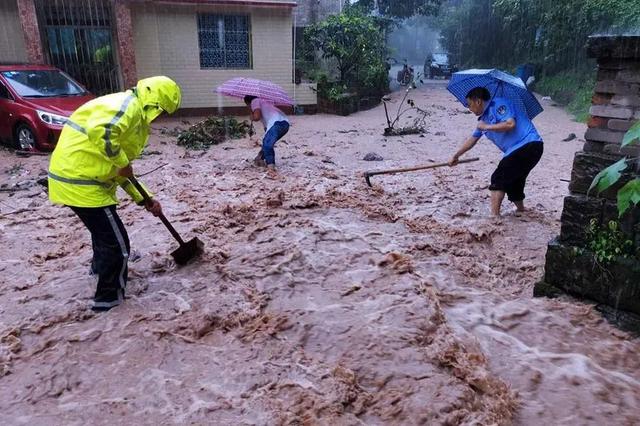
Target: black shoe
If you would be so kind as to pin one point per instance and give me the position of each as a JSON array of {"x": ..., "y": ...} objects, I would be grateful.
[{"x": 107, "y": 300}]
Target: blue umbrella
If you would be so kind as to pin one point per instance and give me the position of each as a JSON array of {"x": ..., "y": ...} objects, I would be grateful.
[{"x": 500, "y": 85}]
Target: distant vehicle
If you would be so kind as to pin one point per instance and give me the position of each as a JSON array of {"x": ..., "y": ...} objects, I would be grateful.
[
  {"x": 439, "y": 65},
  {"x": 35, "y": 103}
]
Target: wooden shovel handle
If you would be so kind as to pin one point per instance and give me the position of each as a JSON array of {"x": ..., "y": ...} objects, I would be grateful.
[
  {"x": 411, "y": 169},
  {"x": 162, "y": 217}
]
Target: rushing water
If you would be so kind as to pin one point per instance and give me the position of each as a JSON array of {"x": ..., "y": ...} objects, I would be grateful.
[{"x": 319, "y": 299}]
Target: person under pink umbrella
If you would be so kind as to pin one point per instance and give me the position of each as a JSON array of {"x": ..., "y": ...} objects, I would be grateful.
[
  {"x": 262, "y": 97},
  {"x": 276, "y": 125}
]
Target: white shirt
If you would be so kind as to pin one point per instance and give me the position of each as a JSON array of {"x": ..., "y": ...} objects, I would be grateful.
[{"x": 270, "y": 114}]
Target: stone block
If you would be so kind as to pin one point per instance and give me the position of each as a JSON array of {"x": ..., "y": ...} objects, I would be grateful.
[
  {"x": 575, "y": 272},
  {"x": 629, "y": 75},
  {"x": 613, "y": 47},
  {"x": 615, "y": 65},
  {"x": 601, "y": 98},
  {"x": 617, "y": 87},
  {"x": 544, "y": 289},
  {"x": 593, "y": 146},
  {"x": 625, "y": 151},
  {"x": 603, "y": 135},
  {"x": 606, "y": 74},
  {"x": 586, "y": 165},
  {"x": 576, "y": 215},
  {"x": 626, "y": 100},
  {"x": 624, "y": 113},
  {"x": 595, "y": 122},
  {"x": 620, "y": 125}
]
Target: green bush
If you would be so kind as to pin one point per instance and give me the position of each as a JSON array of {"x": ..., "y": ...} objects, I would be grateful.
[
  {"x": 212, "y": 131},
  {"x": 373, "y": 79},
  {"x": 572, "y": 89},
  {"x": 356, "y": 43},
  {"x": 608, "y": 243}
]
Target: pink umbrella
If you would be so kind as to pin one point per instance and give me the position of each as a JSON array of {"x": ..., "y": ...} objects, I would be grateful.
[{"x": 240, "y": 87}]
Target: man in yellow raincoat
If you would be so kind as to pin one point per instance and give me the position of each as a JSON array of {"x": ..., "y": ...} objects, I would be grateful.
[{"x": 93, "y": 157}]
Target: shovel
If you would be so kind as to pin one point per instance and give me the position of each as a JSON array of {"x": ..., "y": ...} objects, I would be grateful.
[
  {"x": 187, "y": 251},
  {"x": 367, "y": 175}
]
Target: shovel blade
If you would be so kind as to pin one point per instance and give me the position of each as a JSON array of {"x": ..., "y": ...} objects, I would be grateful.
[{"x": 187, "y": 251}]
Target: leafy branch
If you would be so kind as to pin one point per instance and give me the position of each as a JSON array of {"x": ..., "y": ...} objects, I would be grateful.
[
  {"x": 419, "y": 122},
  {"x": 629, "y": 194}
]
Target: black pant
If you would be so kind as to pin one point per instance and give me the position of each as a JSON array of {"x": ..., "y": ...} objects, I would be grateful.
[
  {"x": 110, "y": 253},
  {"x": 513, "y": 170}
]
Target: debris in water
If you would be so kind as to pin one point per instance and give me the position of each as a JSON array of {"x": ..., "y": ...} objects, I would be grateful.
[
  {"x": 397, "y": 261},
  {"x": 372, "y": 156},
  {"x": 212, "y": 131},
  {"x": 276, "y": 201}
]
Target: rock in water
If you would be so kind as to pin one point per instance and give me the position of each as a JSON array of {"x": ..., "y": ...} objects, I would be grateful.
[
  {"x": 571, "y": 137},
  {"x": 372, "y": 156}
]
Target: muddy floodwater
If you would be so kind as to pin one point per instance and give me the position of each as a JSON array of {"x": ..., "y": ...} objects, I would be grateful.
[{"x": 319, "y": 300}]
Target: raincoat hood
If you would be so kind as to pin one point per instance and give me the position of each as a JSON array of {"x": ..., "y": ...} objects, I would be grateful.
[{"x": 158, "y": 94}]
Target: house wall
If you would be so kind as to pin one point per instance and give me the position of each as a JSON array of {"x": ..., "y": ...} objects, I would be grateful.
[
  {"x": 12, "y": 45},
  {"x": 166, "y": 42}
]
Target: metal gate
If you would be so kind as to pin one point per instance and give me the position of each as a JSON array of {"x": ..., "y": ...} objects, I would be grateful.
[{"x": 78, "y": 38}]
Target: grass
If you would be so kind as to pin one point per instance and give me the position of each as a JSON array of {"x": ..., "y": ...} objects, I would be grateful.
[{"x": 571, "y": 89}]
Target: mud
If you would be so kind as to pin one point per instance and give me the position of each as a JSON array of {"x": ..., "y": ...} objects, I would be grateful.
[{"x": 319, "y": 300}]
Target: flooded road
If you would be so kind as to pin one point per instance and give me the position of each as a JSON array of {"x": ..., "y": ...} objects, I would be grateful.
[{"x": 319, "y": 300}]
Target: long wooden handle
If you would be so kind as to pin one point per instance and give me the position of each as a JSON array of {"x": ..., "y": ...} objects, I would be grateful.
[
  {"x": 411, "y": 169},
  {"x": 162, "y": 217}
]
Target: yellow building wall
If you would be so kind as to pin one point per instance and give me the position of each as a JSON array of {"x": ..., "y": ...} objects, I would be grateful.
[
  {"x": 12, "y": 46},
  {"x": 166, "y": 43}
]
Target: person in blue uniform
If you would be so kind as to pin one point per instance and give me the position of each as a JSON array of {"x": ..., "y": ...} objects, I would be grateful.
[{"x": 515, "y": 135}]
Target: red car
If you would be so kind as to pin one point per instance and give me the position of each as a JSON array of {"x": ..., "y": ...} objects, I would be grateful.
[{"x": 35, "y": 102}]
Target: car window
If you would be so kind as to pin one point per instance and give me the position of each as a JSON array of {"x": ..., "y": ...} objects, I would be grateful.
[
  {"x": 441, "y": 58},
  {"x": 4, "y": 93},
  {"x": 42, "y": 83}
]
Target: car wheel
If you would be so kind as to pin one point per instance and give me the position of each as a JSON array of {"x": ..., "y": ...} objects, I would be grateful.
[{"x": 25, "y": 138}]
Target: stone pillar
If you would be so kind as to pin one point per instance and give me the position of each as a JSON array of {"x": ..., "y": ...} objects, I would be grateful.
[
  {"x": 31, "y": 31},
  {"x": 125, "y": 44},
  {"x": 615, "y": 108}
]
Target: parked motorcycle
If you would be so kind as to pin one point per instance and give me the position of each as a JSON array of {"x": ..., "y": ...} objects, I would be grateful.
[{"x": 405, "y": 75}]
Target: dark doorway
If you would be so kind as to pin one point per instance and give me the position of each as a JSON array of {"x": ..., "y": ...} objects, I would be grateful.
[{"x": 78, "y": 38}]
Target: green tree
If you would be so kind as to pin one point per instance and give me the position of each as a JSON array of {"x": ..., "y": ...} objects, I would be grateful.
[
  {"x": 354, "y": 40},
  {"x": 504, "y": 33}
]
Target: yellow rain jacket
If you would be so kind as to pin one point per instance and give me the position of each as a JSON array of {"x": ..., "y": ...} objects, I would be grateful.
[{"x": 102, "y": 136}]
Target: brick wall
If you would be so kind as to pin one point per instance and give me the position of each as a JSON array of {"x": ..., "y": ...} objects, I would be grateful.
[
  {"x": 166, "y": 42},
  {"x": 615, "y": 108},
  {"x": 12, "y": 46}
]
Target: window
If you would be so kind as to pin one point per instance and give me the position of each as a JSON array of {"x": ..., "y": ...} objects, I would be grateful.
[
  {"x": 42, "y": 83},
  {"x": 225, "y": 41},
  {"x": 4, "y": 93}
]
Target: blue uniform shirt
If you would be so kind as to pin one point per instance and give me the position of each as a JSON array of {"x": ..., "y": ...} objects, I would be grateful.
[{"x": 499, "y": 110}]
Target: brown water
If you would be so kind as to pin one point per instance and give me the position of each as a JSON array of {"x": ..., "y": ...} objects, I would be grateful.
[{"x": 319, "y": 300}]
